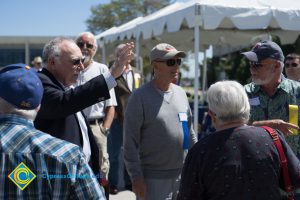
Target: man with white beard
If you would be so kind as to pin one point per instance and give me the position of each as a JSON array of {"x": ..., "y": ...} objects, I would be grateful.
[
  {"x": 271, "y": 95},
  {"x": 101, "y": 114}
]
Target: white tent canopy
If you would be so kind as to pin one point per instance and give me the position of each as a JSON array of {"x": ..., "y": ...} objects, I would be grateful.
[
  {"x": 219, "y": 17},
  {"x": 224, "y": 23}
]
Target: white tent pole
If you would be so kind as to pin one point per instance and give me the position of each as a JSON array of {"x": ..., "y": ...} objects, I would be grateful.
[
  {"x": 204, "y": 76},
  {"x": 196, "y": 80}
]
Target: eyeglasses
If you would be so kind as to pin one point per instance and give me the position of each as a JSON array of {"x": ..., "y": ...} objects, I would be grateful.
[
  {"x": 78, "y": 61},
  {"x": 171, "y": 62},
  {"x": 255, "y": 64},
  {"x": 287, "y": 65},
  {"x": 88, "y": 45}
]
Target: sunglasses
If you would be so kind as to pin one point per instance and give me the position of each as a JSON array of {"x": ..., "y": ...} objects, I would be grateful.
[
  {"x": 88, "y": 45},
  {"x": 171, "y": 62},
  {"x": 255, "y": 64},
  {"x": 290, "y": 65},
  {"x": 78, "y": 61}
]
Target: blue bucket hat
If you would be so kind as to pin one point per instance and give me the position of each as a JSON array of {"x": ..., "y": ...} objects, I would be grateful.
[
  {"x": 264, "y": 50},
  {"x": 21, "y": 86}
]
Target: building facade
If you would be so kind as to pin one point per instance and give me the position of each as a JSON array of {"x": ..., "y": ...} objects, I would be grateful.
[{"x": 21, "y": 49}]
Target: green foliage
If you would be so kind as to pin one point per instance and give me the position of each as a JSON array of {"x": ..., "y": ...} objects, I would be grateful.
[
  {"x": 237, "y": 67},
  {"x": 118, "y": 12},
  {"x": 289, "y": 48}
]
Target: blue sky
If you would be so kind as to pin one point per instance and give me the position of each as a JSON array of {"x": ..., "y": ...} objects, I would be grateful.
[{"x": 45, "y": 17}]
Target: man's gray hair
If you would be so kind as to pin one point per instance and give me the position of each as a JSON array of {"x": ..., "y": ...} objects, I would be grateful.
[
  {"x": 52, "y": 49},
  {"x": 229, "y": 101},
  {"x": 7, "y": 108}
]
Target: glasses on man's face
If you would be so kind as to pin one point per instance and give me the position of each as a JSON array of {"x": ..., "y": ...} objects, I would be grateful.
[
  {"x": 255, "y": 64},
  {"x": 88, "y": 45},
  {"x": 171, "y": 62},
  {"x": 287, "y": 65},
  {"x": 78, "y": 61}
]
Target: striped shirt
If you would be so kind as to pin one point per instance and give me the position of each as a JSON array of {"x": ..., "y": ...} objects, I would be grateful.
[{"x": 60, "y": 168}]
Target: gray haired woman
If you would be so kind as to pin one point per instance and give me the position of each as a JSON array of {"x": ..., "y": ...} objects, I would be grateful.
[{"x": 237, "y": 161}]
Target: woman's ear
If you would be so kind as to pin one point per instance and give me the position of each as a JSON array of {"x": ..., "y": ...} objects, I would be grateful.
[{"x": 213, "y": 116}]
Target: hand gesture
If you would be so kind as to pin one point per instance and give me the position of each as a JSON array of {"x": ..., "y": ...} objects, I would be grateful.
[
  {"x": 125, "y": 55},
  {"x": 279, "y": 124}
]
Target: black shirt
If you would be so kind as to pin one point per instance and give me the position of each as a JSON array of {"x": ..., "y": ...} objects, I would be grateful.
[{"x": 236, "y": 163}]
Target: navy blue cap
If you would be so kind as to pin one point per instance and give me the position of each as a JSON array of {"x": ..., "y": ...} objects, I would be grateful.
[
  {"x": 21, "y": 86},
  {"x": 264, "y": 50}
]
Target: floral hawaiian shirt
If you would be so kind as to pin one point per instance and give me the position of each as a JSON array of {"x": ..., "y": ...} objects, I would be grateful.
[{"x": 264, "y": 107}]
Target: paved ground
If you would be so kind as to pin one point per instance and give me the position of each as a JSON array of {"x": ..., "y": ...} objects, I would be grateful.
[{"x": 123, "y": 195}]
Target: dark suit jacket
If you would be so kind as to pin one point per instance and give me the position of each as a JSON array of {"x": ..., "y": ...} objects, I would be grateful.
[
  {"x": 123, "y": 93},
  {"x": 57, "y": 115}
]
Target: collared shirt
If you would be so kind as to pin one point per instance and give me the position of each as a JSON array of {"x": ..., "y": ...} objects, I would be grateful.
[
  {"x": 264, "y": 107},
  {"x": 128, "y": 76},
  {"x": 86, "y": 146},
  {"x": 60, "y": 168},
  {"x": 132, "y": 79}
]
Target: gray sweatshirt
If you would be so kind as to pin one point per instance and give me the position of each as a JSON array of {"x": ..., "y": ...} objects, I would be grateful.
[{"x": 153, "y": 133}]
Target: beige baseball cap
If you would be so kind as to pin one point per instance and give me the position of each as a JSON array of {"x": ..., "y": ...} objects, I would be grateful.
[{"x": 164, "y": 51}]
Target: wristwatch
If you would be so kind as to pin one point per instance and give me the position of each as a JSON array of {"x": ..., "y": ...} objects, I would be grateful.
[{"x": 104, "y": 130}]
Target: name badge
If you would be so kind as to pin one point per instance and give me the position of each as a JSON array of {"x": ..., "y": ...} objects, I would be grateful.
[
  {"x": 182, "y": 117},
  {"x": 254, "y": 101}
]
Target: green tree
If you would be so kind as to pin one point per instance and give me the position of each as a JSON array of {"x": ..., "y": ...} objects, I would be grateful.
[
  {"x": 118, "y": 12},
  {"x": 237, "y": 67}
]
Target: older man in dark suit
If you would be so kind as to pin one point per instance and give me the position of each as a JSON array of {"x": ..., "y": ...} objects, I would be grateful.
[{"x": 60, "y": 114}]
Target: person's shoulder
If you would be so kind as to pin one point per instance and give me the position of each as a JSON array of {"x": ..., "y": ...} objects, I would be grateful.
[
  {"x": 98, "y": 66},
  {"x": 143, "y": 87},
  {"x": 249, "y": 129},
  {"x": 290, "y": 86},
  {"x": 205, "y": 142},
  {"x": 203, "y": 146},
  {"x": 60, "y": 149},
  {"x": 49, "y": 81},
  {"x": 44, "y": 74},
  {"x": 290, "y": 83},
  {"x": 47, "y": 77},
  {"x": 142, "y": 92},
  {"x": 178, "y": 88}
]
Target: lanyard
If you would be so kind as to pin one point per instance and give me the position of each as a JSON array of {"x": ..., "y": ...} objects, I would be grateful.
[{"x": 184, "y": 123}]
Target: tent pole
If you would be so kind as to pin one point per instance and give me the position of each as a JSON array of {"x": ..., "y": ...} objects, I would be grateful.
[
  {"x": 204, "y": 76},
  {"x": 196, "y": 80}
]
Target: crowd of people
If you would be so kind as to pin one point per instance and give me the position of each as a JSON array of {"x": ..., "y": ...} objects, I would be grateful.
[{"x": 65, "y": 122}]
